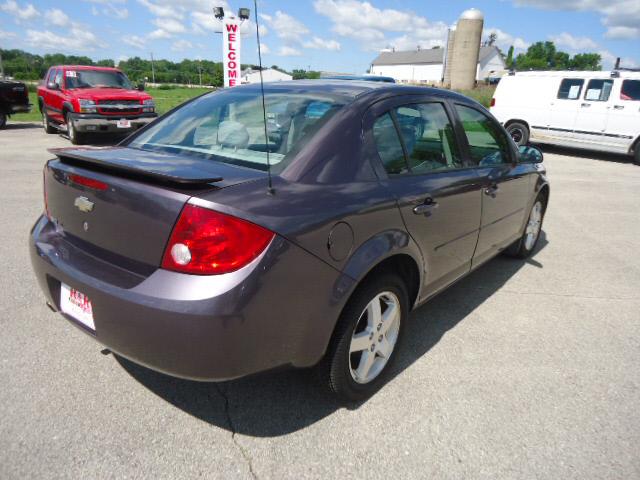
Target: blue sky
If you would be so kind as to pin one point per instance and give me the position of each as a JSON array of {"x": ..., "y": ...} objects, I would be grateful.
[{"x": 329, "y": 35}]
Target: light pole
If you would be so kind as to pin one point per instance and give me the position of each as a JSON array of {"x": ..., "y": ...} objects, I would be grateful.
[
  {"x": 231, "y": 44},
  {"x": 153, "y": 70}
]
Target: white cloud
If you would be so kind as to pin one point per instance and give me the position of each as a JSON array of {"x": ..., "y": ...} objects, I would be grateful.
[
  {"x": 620, "y": 17},
  {"x": 169, "y": 25},
  {"x": 77, "y": 40},
  {"x": 19, "y": 12},
  {"x": 321, "y": 44},
  {"x": 376, "y": 28},
  {"x": 159, "y": 34},
  {"x": 264, "y": 49},
  {"x": 4, "y": 34},
  {"x": 505, "y": 40},
  {"x": 163, "y": 10},
  {"x": 572, "y": 43},
  {"x": 135, "y": 41},
  {"x": 286, "y": 51},
  {"x": 181, "y": 45},
  {"x": 57, "y": 17},
  {"x": 286, "y": 27}
]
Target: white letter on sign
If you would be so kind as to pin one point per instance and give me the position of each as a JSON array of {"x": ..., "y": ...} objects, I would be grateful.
[{"x": 231, "y": 52}]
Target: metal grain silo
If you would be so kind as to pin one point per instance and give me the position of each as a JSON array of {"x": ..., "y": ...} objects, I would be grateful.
[{"x": 463, "y": 64}]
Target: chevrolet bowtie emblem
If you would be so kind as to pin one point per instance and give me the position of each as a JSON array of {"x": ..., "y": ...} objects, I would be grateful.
[{"x": 83, "y": 204}]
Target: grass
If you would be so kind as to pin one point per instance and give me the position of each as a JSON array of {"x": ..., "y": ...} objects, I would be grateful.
[
  {"x": 165, "y": 101},
  {"x": 482, "y": 94}
]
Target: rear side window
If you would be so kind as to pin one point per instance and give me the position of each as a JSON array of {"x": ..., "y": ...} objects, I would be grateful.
[
  {"x": 428, "y": 137},
  {"x": 487, "y": 144},
  {"x": 598, "y": 90},
  {"x": 630, "y": 90},
  {"x": 389, "y": 146},
  {"x": 570, "y": 88}
]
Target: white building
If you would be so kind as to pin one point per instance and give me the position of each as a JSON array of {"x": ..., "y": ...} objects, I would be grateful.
[
  {"x": 268, "y": 75},
  {"x": 427, "y": 66}
]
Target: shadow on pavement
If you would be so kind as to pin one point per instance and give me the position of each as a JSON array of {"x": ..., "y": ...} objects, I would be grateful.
[
  {"x": 21, "y": 125},
  {"x": 587, "y": 154},
  {"x": 277, "y": 403}
]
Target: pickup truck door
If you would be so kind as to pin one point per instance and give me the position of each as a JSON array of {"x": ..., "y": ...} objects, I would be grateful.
[
  {"x": 438, "y": 195},
  {"x": 53, "y": 99},
  {"x": 506, "y": 189}
]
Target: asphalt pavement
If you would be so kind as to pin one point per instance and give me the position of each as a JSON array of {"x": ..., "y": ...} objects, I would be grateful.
[{"x": 524, "y": 369}]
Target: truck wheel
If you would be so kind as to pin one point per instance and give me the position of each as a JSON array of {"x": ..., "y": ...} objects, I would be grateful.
[
  {"x": 519, "y": 132},
  {"x": 75, "y": 137},
  {"x": 46, "y": 123},
  {"x": 3, "y": 120}
]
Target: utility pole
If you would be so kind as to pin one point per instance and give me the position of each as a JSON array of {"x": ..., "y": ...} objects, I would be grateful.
[{"x": 153, "y": 70}]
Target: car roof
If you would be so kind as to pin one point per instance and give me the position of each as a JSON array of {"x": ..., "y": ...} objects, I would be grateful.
[{"x": 85, "y": 67}]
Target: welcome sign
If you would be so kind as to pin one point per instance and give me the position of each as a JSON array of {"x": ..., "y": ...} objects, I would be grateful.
[{"x": 231, "y": 52}]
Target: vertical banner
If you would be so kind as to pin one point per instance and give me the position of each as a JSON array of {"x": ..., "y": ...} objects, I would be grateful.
[{"x": 231, "y": 52}]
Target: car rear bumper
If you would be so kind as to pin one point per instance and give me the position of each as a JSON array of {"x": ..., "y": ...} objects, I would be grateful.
[
  {"x": 271, "y": 313},
  {"x": 94, "y": 123}
]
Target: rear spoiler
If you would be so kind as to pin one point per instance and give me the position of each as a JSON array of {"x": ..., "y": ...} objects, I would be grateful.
[{"x": 174, "y": 173}]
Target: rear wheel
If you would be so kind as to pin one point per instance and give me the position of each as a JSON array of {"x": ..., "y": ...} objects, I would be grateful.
[
  {"x": 3, "y": 120},
  {"x": 46, "y": 123},
  {"x": 636, "y": 155},
  {"x": 366, "y": 339},
  {"x": 519, "y": 132},
  {"x": 527, "y": 243},
  {"x": 74, "y": 136}
]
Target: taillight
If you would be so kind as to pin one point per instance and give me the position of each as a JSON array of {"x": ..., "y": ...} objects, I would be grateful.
[
  {"x": 493, "y": 102},
  {"x": 206, "y": 242},
  {"x": 88, "y": 182}
]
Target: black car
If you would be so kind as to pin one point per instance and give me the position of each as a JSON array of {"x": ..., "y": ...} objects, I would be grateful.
[
  {"x": 14, "y": 98},
  {"x": 210, "y": 246}
]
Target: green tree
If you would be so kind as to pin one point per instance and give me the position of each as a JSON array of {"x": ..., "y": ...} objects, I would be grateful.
[
  {"x": 509, "y": 60},
  {"x": 586, "y": 61}
]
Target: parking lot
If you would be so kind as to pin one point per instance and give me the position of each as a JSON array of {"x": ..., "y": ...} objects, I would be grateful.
[{"x": 522, "y": 370}]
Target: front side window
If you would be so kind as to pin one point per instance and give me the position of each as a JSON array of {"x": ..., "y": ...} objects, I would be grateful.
[
  {"x": 428, "y": 137},
  {"x": 58, "y": 79},
  {"x": 630, "y": 90},
  {"x": 570, "y": 89},
  {"x": 228, "y": 126},
  {"x": 389, "y": 146},
  {"x": 598, "y": 90},
  {"x": 487, "y": 144}
]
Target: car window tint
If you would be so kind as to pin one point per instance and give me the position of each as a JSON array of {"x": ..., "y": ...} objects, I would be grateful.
[
  {"x": 428, "y": 137},
  {"x": 630, "y": 90},
  {"x": 487, "y": 144},
  {"x": 58, "y": 78},
  {"x": 389, "y": 146},
  {"x": 598, "y": 90},
  {"x": 570, "y": 88}
]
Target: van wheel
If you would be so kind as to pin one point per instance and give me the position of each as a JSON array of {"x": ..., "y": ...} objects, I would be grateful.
[
  {"x": 3, "y": 120},
  {"x": 367, "y": 337},
  {"x": 527, "y": 243},
  {"x": 636, "y": 155},
  {"x": 75, "y": 137},
  {"x": 519, "y": 132},
  {"x": 46, "y": 123}
]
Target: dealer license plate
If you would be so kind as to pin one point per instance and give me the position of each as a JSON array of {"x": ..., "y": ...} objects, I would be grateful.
[
  {"x": 124, "y": 123},
  {"x": 77, "y": 305}
]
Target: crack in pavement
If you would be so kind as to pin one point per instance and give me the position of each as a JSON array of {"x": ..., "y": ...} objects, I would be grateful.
[{"x": 232, "y": 428}]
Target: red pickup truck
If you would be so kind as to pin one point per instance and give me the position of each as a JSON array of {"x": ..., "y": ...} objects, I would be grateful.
[{"x": 80, "y": 100}]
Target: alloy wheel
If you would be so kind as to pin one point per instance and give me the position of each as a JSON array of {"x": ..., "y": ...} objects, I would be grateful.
[
  {"x": 374, "y": 337},
  {"x": 533, "y": 226}
]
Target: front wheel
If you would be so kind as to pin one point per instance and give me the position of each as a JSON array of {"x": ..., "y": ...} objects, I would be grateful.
[
  {"x": 519, "y": 132},
  {"x": 527, "y": 243},
  {"x": 46, "y": 123},
  {"x": 75, "y": 137},
  {"x": 367, "y": 337}
]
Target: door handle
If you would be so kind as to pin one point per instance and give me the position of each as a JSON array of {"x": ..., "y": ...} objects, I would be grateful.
[
  {"x": 618, "y": 107},
  {"x": 491, "y": 191},
  {"x": 428, "y": 205},
  {"x": 585, "y": 105}
]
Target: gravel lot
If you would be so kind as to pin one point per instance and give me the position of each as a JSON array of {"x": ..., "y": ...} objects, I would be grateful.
[{"x": 522, "y": 370}]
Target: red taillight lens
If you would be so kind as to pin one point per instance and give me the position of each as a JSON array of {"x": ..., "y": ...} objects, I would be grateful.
[
  {"x": 206, "y": 242},
  {"x": 88, "y": 182},
  {"x": 493, "y": 102}
]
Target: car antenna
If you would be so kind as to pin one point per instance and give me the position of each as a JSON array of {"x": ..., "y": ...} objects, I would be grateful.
[{"x": 270, "y": 189}]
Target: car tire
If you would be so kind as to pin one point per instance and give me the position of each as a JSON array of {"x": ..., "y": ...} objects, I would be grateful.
[
  {"x": 363, "y": 347},
  {"x": 519, "y": 132},
  {"x": 636, "y": 155},
  {"x": 3, "y": 120},
  {"x": 527, "y": 243},
  {"x": 75, "y": 137},
  {"x": 46, "y": 124}
]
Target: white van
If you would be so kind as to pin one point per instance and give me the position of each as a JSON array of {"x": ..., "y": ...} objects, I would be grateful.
[{"x": 590, "y": 110}]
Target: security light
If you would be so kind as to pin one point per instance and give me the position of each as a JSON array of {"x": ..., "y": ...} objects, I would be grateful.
[
  {"x": 218, "y": 12},
  {"x": 243, "y": 13}
]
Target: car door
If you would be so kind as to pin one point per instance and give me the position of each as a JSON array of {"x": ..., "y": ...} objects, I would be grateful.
[
  {"x": 593, "y": 111},
  {"x": 438, "y": 194},
  {"x": 623, "y": 123},
  {"x": 564, "y": 108},
  {"x": 505, "y": 183},
  {"x": 55, "y": 98}
]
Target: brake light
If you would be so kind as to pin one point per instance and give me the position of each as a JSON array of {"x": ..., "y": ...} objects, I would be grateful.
[
  {"x": 88, "y": 182},
  {"x": 493, "y": 102},
  {"x": 206, "y": 242}
]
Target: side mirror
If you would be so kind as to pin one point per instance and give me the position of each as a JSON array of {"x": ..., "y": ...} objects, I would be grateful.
[
  {"x": 529, "y": 154},
  {"x": 53, "y": 86},
  {"x": 141, "y": 86}
]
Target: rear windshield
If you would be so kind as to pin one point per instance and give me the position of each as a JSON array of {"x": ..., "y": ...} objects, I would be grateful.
[
  {"x": 228, "y": 126},
  {"x": 96, "y": 79}
]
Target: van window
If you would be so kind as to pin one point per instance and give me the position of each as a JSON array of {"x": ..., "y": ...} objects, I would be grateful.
[
  {"x": 598, "y": 90},
  {"x": 488, "y": 145},
  {"x": 570, "y": 88},
  {"x": 630, "y": 90}
]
